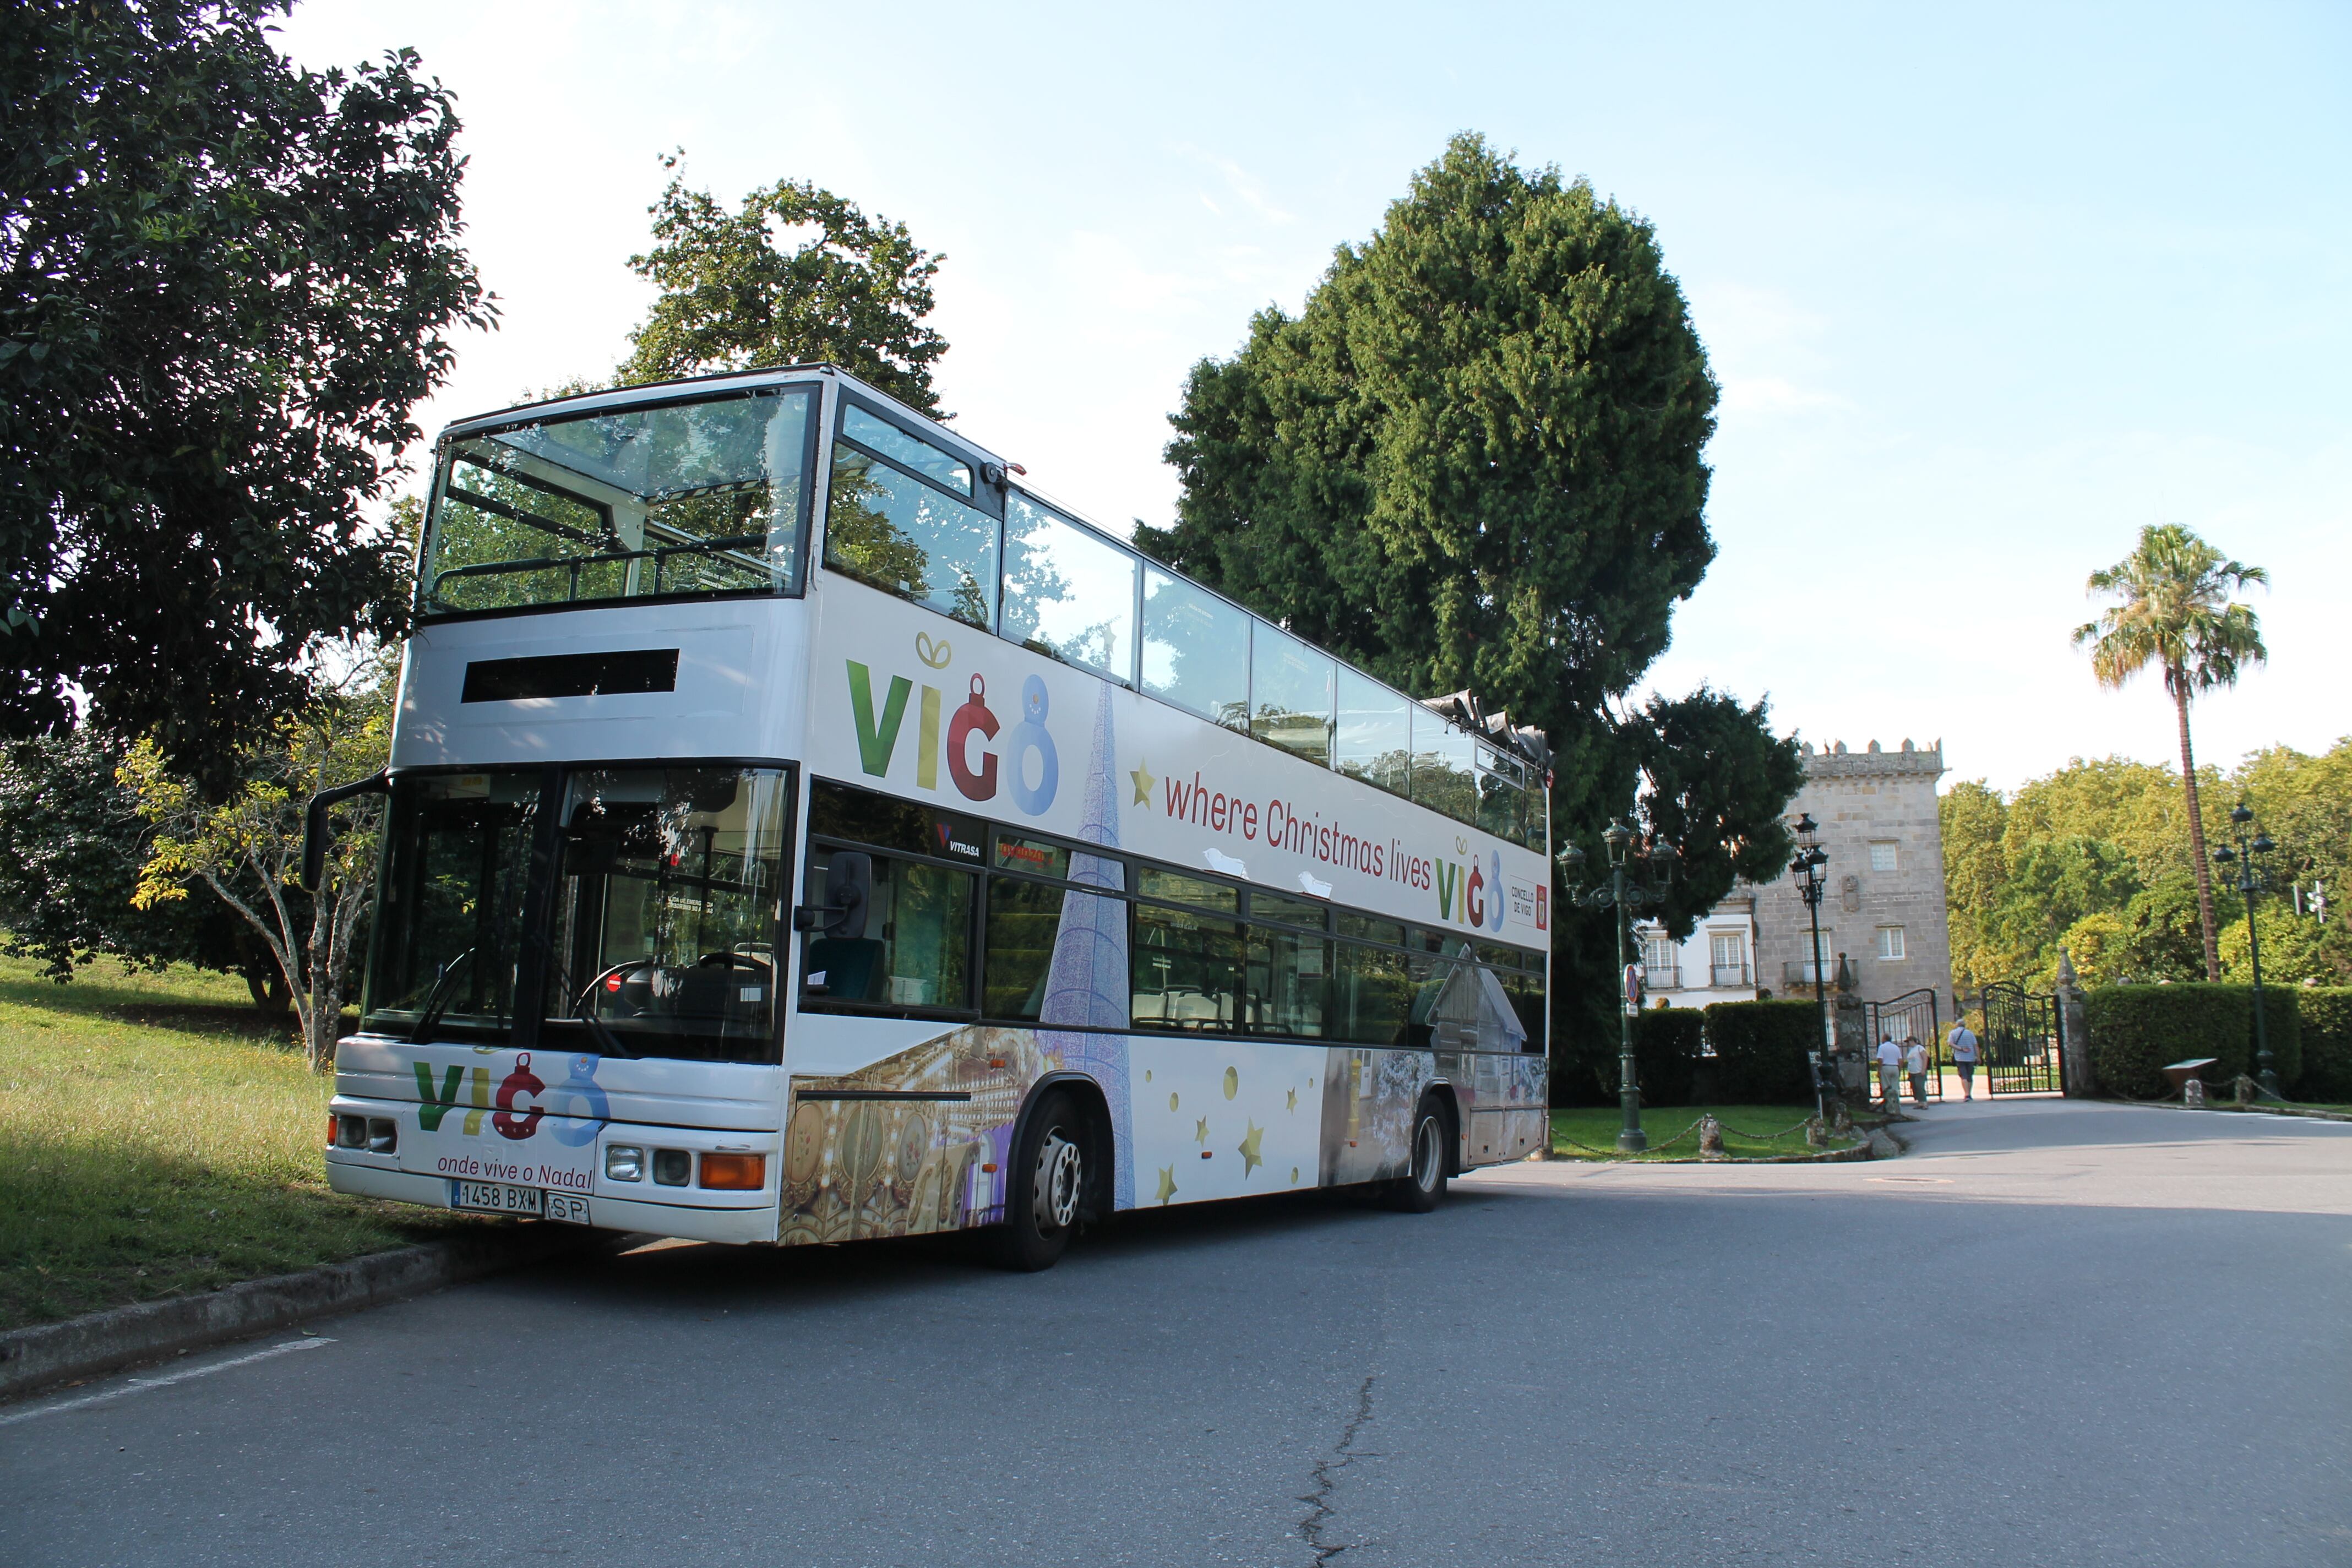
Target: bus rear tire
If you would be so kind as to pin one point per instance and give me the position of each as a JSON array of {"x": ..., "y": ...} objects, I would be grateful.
[
  {"x": 1423, "y": 1187},
  {"x": 1047, "y": 1188}
]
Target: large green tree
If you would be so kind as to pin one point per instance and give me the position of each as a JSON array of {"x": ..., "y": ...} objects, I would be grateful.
[
  {"x": 2172, "y": 610},
  {"x": 224, "y": 282},
  {"x": 71, "y": 845},
  {"x": 1473, "y": 460},
  {"x": 795, "y": 276}
]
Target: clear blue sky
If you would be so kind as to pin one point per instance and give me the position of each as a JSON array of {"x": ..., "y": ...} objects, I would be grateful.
[{"x": 1985, "y": 291}]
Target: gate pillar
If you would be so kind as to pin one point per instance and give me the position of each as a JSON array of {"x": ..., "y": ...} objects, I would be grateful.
[
  {"x": 2076, "y": 1075},
  {"x": 1852, "y": 1020}
]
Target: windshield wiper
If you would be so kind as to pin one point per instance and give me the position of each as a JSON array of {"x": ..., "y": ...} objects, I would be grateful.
[{"x": 437, "y": 999}]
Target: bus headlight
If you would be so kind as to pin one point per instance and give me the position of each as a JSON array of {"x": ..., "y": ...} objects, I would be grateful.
[{"x": 625, "y": 1163}]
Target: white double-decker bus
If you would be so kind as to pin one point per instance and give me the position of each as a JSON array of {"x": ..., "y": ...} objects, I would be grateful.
[{"x": 801, "y": 831}]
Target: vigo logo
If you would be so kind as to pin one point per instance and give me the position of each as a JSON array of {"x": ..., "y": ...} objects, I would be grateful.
[
  {"x": 508, "y": 1114},
  {"x": 1472, "y": 894},
  {"x": 973, "y": 767}
]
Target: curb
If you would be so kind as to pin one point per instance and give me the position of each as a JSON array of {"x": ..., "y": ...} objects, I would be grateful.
[
  {"x": 45, "y": 1354},
  {"x": 1867, "y": 1150}
]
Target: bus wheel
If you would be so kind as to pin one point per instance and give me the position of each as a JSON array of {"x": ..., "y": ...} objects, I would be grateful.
[
  {"x": 1420, "y": 1191},
  {"x": 1049, "y": 1183}
]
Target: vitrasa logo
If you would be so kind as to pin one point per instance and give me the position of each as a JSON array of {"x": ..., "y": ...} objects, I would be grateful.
[
  {"x": 972, "y": 763},
  {"x": 508, "y": 1112}
]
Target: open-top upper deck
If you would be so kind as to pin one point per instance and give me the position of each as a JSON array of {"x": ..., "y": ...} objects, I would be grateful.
[{"x": 728, "y": 486}]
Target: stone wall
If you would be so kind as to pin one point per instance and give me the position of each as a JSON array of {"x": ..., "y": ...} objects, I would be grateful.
[{"x": 1861, "y": 799}]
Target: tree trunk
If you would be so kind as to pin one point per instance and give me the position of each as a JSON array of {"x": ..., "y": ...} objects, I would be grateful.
[
  {"x": 2196, "y": 831},
  {"x": 267, "y": 985}
]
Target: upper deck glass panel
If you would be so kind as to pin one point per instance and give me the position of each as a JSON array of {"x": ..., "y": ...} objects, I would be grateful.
[{"x": 703, "y": 497}]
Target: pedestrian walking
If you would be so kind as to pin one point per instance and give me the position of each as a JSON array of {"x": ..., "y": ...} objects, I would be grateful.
[
  {"x": 1890, "y": 1075},
  {"x": 1964, "y": 1056},
  {"x": 1915, "y": 1062}
]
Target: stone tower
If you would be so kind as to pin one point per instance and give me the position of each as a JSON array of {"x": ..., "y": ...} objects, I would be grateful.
[{"x": 1884, "y": 904}]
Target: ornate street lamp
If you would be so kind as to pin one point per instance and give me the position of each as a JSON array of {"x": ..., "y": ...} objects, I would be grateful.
[
  {"x": 1808, "y": 870},
  {"x": 1652, "y": 867},
  {"x": 2252, "y": 878}
]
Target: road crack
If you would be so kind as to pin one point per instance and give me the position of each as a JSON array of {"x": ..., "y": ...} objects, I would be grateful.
[{"x": 1326, "y": 1476}]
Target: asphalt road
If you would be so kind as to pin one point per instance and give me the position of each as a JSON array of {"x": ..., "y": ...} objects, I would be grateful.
[{"x": 2055, "y": 1334}]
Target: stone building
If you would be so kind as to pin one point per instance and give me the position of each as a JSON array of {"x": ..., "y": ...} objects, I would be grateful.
[{"x": 1883, "y": 907}]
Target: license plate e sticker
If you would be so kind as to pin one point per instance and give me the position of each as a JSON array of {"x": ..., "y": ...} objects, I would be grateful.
[
  {"x": 569, "y": 1208},
  {"x": 494, "y": 1197}
]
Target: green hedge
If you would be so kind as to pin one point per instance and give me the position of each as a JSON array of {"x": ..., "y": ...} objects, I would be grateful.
[
  {"x": 2327, "y": 1014},
  {"x": 2136, "y": 1030},
  {"x": 1665, "y": 1053},
  {"x": 1763, "y": 1051}
]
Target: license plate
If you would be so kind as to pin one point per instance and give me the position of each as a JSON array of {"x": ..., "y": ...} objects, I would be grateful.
[
  {"x": 569, "y": 1208},
  {"x": 495, "y": 1197}
]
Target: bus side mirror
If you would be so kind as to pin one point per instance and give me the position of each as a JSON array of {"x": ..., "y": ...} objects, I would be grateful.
[
  {"x": 848, "y": 888},
  {"x": 314, "y": 822}
]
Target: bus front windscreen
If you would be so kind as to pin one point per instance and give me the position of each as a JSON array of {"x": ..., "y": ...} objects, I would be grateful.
[
  {"x": 681, "y": 498},
  {"x": 655, "y": 933}
]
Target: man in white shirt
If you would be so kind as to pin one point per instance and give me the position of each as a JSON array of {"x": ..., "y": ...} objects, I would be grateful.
[
  {"x": 1890, "y": 1075},
  {"x": 1914, "y": 1063},
  {"x": 1964, "y": 1057}
]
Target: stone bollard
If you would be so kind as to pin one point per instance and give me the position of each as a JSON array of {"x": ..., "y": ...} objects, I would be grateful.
[
  {"x": 1841, "y": 1118},
  {"x": 2192, "y": 1094},
  {"x": 1710, "y": 1138},
  {"x": 1816, "y": 1135},
  {"x": 2246, "y": 1089}
]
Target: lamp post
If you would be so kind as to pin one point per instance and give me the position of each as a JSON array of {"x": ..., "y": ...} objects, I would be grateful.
[
  {"x": 1617, "y": 893},
  {"x": 1808, "y": 871},
  {"x": 2251, "y": 880}
]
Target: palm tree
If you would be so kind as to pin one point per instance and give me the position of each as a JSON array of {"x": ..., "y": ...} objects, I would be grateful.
[{"x": 2172, "y": 610}]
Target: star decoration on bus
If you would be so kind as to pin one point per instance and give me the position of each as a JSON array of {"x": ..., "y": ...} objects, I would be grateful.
[
  {"x": 1251, "y": 1158},
  {"x": 1201, "y": 1134},
  {"x": 1141, "y": 774},
  {"x": 1294, "y": 1101},
  {"x": 1167, "y": 1184}
]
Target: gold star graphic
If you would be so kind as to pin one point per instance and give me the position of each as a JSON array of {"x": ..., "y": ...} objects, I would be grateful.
[
  {"x": 1143, "y": 782},
  {"x": 1294, "y": 1101},
  {"x": 1201, "y": 1134},
  {"x": 1167, "y": 1184},
  {"x": 1251, "y": 1159}
]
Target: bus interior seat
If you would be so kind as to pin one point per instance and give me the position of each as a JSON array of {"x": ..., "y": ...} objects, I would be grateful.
[{"x": 852, "y": 967}]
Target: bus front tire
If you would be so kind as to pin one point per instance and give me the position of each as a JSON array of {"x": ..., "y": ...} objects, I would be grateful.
[
  {"x": 1423, "y": 1187},
  {"x": 1046, "y": 1190}
]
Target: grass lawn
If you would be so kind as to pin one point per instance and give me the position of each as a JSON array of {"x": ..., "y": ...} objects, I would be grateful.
[
  {"x": 1596, "y": 1127},
  {"x": 158, "y": 1137}
]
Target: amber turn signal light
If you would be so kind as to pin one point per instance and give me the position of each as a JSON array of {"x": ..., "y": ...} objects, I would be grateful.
[{"x": 735, "y": 1173}]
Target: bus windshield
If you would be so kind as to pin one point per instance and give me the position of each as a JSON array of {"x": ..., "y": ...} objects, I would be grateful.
[
  {"x": 640, "y": 904},
  {"x": 676, "y": 498}
]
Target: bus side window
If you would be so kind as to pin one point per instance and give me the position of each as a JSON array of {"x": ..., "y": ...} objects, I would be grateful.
[{"x": 915, "y": 951}]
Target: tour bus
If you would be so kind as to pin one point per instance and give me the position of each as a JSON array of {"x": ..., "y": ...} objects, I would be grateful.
[{"x": 800, "y": 829}]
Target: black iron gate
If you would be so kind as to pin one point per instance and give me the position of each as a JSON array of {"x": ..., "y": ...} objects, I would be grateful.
[
  {"x": 1903, "y": 1019},
  {"x": 2022, "y": 1041}
]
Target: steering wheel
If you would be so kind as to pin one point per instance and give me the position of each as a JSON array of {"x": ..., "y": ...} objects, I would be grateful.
[{"x": 732, "y": 961}]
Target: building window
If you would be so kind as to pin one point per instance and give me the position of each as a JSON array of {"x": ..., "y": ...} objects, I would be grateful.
[
  {"x": 1801, "y": 972},
  {"x": 1890, "y": 941},
  {"x": 1727, "y": 958},
  {"x": 1881, "y": 855},
  {"x": 1658, "y": 959}
]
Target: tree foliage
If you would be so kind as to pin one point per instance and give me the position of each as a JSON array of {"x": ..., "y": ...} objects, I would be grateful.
[
  {"x": 2172, "y": 610},
  {"x": 248, "y": 849},
  {"x": 224, "y": 284},
  {"x": 796, "y": 276},
  {"x": 72, "y": 845},
  {"x": 1473, "y": 460},
  {"x": 2098, "y": 857}
]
